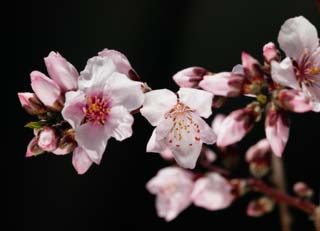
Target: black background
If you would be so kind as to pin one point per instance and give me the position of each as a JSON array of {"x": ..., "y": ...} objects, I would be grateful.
[{"x": 159, "y": 38}]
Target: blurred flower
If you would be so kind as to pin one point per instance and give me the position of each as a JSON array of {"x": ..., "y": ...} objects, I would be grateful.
[
  {"x": 277, "y": 130},
  {"x": 298, "y": 38},
  {"x": 302, "y": 190},
  {"x": 178, "y": 122},
  {"x": 100, "y": 109},
  {"x": 260, "y": 207},
  {"x": 212, "y": 192},
  {"x": 172, "y": 187},
  {"x": 189, "y": 77}
]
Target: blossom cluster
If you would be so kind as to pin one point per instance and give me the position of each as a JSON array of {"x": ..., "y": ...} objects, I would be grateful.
[{"x": 79, "y": 112}]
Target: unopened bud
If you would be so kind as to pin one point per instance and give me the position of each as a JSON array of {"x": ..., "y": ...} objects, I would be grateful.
[
  {"x": 302, "y": 190},
  {"x": 48, "y": 140},
  {"x": 260, "y": 207}
]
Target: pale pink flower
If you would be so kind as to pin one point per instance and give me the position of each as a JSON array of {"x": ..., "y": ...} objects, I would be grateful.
[
  {"x": 31, "y": 103},
  {"x": 62, "y": 72},
  {"x": 100, "y": 109},
  {"x": 189, "y": 77},
  {"x": 178, "y": 122},
  {"x": 236, "y": 125},
  {"x": 277, "y": 130},
  {"x": 173, "y": 187},
  {"x": 294, "y": 100},
  {"x": 270, "y": 52},
  {"x": 121, "y": 62},
  {"x": 48, "y": 139},
  {"x": 212, "y": 192},
  {"x": 258, "y": 151},
  {"x": 298, "y": 38}
]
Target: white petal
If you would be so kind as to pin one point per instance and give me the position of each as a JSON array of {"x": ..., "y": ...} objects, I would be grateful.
[
  {"x": 207, "y": 134},
  {"x": 198, "y": 100},
  {"x": 156, "y": 104},
  {"x": 73, "y": 108},
  {"x": 154, "y": 144},
  {"x": 124, "y": 91},
  {"x": 119, "y": 123},
  {"x": 297, "y": 34},
  {"x": 81, "y": 160},
  {"x": 283, "y": 73}
]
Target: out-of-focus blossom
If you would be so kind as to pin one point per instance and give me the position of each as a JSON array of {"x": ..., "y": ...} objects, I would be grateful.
[
  {"x": 260, "y": 207},
  {"x": 212, "y": 192},
  {"x": 100, "y": 109},
  {"x": 179, "y": 126},
  {"x": 189, "y": 77},
  {"x": 62, "y": 72},
  {"x": 31, "y": 104},
  {"x": 302, "y": 190},
  {"x": 237, "y": 124},
  {"x": 270, "y": 52},
  {"x": 277, "y": 130},
  {"x": 298, "y": 38},
  {"x": 173, "y": 187},
  {"x": 48, "y": 139},
  {"x": 293, "y": 100}
]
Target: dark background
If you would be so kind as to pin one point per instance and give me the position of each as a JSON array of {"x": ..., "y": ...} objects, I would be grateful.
[{"x": 159, "y": 38}]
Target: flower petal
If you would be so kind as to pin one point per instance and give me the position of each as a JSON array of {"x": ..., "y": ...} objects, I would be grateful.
[
  {"x": 62, "y": 72},
  {"x": 155, "y": 145},
  {"x": 189, "y": 77},
  {"x": 207, "y": 135},
  {"x": 81, "y": 160},
  {"x": 73, "y": 108},
  {"x": 296, "y": 35},
  {"x": 46, "y": 89},
  {"x": 216, "y": 123},
  {"x": 33, "y": 149},
  {"x": 124, "y": 91},
  {"x": 283, "y": 73},
  {"x": 156, "y": 104},
  {"x": 198, "y": 100}
]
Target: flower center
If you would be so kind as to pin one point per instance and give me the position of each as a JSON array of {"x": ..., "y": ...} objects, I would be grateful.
[
  {"x": 184, "y": 128},
  {"x": 96, "y": 110}
]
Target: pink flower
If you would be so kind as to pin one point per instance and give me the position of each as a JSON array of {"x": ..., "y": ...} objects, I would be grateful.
[
  {"x": 258, "y": 151},
  {"x": 298, "y": 38},
  {"x": 31, "y": 103},
  {"x": 277, "y": 130},
  {"x": 236, "y": 125},
  {"x": 189, "y": 77},
  {"x": 62, "y": 72},
  {"x": 100, "y": 109},
  {"x": 270, "y": 52},
  {"x": 212, "y": 192},
  {"x": 224, "y": 83},
  {"x": 178, "y": 122},
  {"x": 46, "y": 90},
  {"x": 48, "y": 139},
  {"x": 121, "y": 62},
  {"x": 294, "y": 100},
  {"x": 173, "y": 187}
]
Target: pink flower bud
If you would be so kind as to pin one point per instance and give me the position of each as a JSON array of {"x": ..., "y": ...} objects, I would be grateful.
[
  {"x": 270, "y": 52},
  {"x": 277, "y": 130},
  {"x": 48, "y": 139},
  {"x": 254, "y": 75},
  {"x": 294, "y": 100},
  {"x": 31, "y": 104},
  {"x": 260, "y": 207},
  {"x": 302, "y": 190},
  {"x": 46, "y": 90},
  {"x": 236, "y": 125},
  {"x": 62, "y": 72},
  {"x": 189, "y": 77},
  {"x": 33, "y": 149},
  {"x": 223, "y": 84}
]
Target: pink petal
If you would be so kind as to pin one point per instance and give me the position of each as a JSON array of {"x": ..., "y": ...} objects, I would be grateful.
[
  {"x": 270, "y": 52},
  {"x": 296, "y": 35},
  {"x": 33, "y": 148},
  {"x": 198, "y": 100},
  {"x": 155, "y": 145},
  {"x": 167, "y": 154},
  {"x": 31, "y": 104},
  {"x": 212, "y": 192},
  {"x": 258, "y": 150},
  {"x": 189, "y": 77},
  {"x": 224, "y": 84},
  {"x": 238, "y": 69},
  {"x": 207, "y": 135},
  {"x": 248, "y": 62},
  {"x": 48, "y": 139},
  {"x": 120, "y": 60},
  {"x": 294, "y": 100},
  {"x": 119, "y": 123},
  {"x": 156, "y": 104},
  {"x": 73, "y": 108},
  {"x": 216, "y": 123},
  {"x": 277, "y": 131},
  {"x": 65, "y": 150},
  {"x": 124, "y": 91},
  {"x": 283, "y": 73},
  {"x": 46, "y": 90},
  {"x": 81, "y": 161},
  {"x": 62, "y": 72}
]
